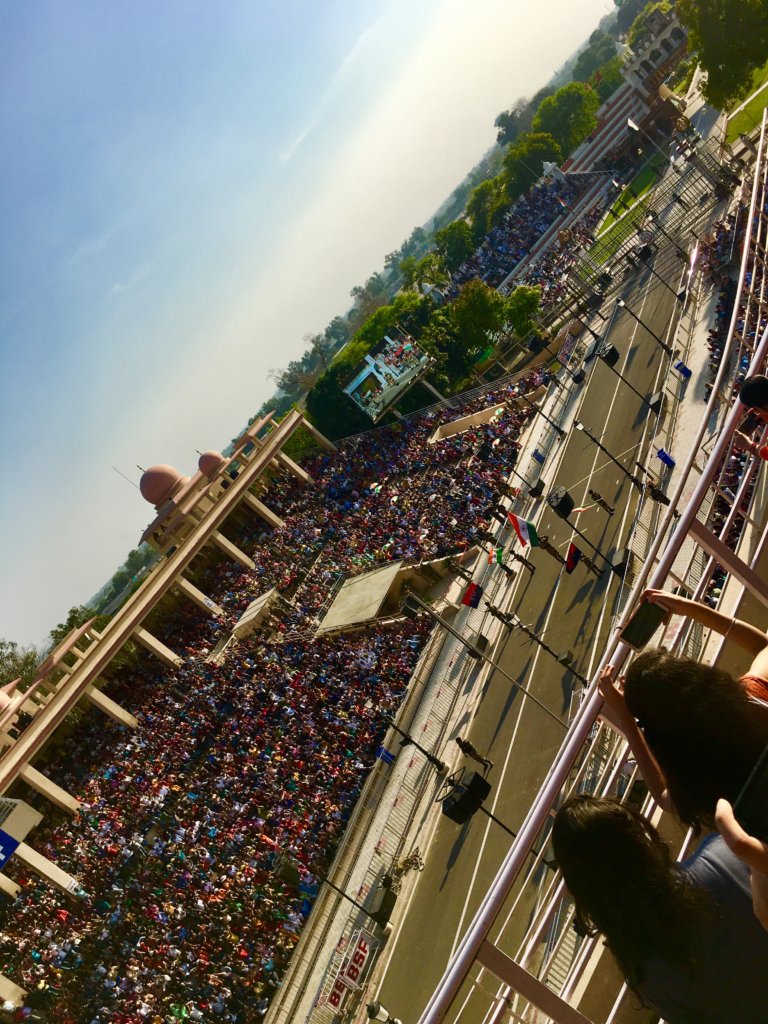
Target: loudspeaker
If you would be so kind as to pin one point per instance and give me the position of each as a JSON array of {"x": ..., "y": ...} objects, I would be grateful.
[
  {"x": 466, "y": 798},
  {"x": 609, "y": 354},
  {"x": 561, "y": 502},
  {"x": 382, "y": 905},
  {"x": 537, "y": 490},
  {"x": 620, "y": 560}
]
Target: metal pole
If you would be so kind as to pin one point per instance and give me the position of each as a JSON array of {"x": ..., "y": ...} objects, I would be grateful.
[
  {"x": 624, "y": 379},
  {"x": 615, "y": 461},
  {"x": 550, "y": 863},
  {"x": 341, "y": 892},
  {"x": 622, "y": 305},
  {"x": 558, "y": 430},
  {"x": 476, "y": 653},
  {"x": 516, "y": 623},
  {"x": 584, "y": 537},
  {"x": 645, "y": 262},
  {"x": 436, "y": 763}
]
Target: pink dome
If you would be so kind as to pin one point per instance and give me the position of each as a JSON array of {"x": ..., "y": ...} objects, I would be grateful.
[
  {"x": 158, "y": 483},
  {"x": 209, "y": 462}
]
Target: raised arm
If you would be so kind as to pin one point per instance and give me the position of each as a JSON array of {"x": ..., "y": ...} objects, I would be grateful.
[
  {"x": 747, "y": 636},
  {"x": 617, "y": 714}
]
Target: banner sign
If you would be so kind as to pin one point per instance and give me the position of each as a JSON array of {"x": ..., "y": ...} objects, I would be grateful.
[{"x": 362, "y": 946}]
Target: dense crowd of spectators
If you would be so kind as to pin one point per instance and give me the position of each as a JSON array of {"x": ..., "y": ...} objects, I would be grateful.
[
  {"x": 181, "y": 914},
  {"x": 530, "y": 217}
]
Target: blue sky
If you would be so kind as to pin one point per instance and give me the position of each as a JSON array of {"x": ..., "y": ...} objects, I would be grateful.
[{"x": 188, "y": 189}]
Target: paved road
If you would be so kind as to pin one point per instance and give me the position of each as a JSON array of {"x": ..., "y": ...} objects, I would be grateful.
[{"x": 575, "y": 613}]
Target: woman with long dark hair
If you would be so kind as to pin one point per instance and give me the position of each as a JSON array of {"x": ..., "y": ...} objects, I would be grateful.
[
  {"x": 695, "y": 730},
  {"x": 684, "y": 935}
]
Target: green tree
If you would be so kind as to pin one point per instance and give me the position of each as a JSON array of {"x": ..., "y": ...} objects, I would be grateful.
[
  {"x": 487, "y": 204},
  {"x": 17, "y": 663},
  {"x": 627, "y": 13},
  {"x": 337, "y": 332},
  {"x": 430, "y": 270},
  {"x": 569, "y": 115},
  {"x": 294, "y": 380},
  {"x": 370, "y": 295},
  {"x": 408, "y": 268},
  {"x": 521, "y": 306},
  {"x": 607, "y": 79},
  {"x": 330, "y": 410},
  {"x": 731, "y": 37},
  {"x": 523, "y": 163},
  {"x": 454, "y": 243},
  {"x": 513, "y": 122},
  {"x": 415, "y": 242},
  {"x": 600, "y": 49},
  {"x": 77, "y": 616},
  {"x": 441, "y": 340},
  {"x": 477, "y": 313}
]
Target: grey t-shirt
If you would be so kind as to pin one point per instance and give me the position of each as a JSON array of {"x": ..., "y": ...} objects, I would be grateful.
[{"x": 729, "y": 984}]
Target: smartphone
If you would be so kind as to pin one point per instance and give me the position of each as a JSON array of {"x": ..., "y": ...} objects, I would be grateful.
[
  {"x": 644, "y": 622},
  {"x": 751, "y": 805},
  {"x": 750, "y": 423}
]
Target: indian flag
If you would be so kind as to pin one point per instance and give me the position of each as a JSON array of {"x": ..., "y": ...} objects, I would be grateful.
[
  {"x": 526, "y": 532},
  {"x": 496, "y": 555}
]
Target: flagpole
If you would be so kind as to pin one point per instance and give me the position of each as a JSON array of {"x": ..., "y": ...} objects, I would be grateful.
[{"x": 583, "y": 536}]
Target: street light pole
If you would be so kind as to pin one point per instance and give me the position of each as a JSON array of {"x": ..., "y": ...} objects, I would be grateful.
[
  {"x": 514, "y": 622},
  {"x": 412, "y": 602},
  {"x": 558, "y": 430},
  {"x": 604, "y": 359},
  {"x": 408, "y": 741},
  {"x": 630, "y": 476},
  {"x": 680, "y": 296},
  {"x": 660, "y": 341},
  {"x": 638, "y": 130},
  {"x": 653, "y": 217}
]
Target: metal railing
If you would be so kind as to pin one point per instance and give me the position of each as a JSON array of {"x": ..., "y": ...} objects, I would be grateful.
[{"x": 476, "y": 949}]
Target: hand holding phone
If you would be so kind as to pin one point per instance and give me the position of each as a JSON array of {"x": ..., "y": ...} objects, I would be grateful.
[{"x": 644, "y": 622}]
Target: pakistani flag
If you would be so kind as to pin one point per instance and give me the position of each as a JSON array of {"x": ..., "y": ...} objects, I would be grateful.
[{"x": 526, "y": 532}]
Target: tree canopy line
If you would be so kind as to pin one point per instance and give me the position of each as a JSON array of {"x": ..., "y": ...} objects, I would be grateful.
[{"x": 730, "y": 38}]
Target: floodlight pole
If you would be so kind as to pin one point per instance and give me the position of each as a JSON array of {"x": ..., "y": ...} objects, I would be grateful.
[
  {"x": 413, "y": 602},
  {"x": 638, "y": 130},
  {"x": 680, "y": 296},
  {"x": 408, "y": 741},
  {"x": 601, "y": 357},
  {"x": 515, "y": 622},
  {"x": 659, "y": 341},
  {"x": 558, "y": 430},
  {"x": 630, "y": 476}
]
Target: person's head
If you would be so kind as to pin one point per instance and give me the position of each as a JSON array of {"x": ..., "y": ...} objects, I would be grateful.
[
  {"x": 700, "y": 726},
  {"x": 754, "y": 392},
  {"x": 625, "y": 884}
]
